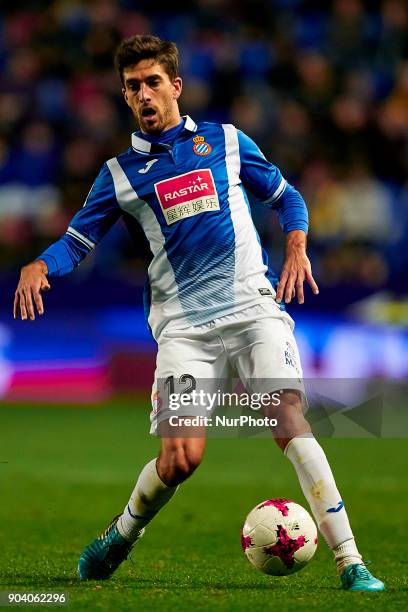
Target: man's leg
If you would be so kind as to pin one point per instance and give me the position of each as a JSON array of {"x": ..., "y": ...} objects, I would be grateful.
[
  {"x": 156, "y": 485},
  {"x": 158, "y": 481},
  {"x": 262, "y": 348},
  {"x": 186, "y": 358},
  {"x": 294, "y": 438}
]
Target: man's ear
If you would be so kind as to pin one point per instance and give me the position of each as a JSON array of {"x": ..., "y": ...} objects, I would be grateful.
[
  {"x": 177, "y": 87},
  {"x": 125, "y": 96}
]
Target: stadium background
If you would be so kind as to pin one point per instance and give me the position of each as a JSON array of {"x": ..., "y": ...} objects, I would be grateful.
[{"x": 323, "y": 88}]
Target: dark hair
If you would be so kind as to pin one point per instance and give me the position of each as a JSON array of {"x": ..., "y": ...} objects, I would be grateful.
[{"x": 136, "y": 48}]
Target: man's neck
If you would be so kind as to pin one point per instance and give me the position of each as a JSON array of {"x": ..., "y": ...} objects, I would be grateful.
[
  {"x": 165, "y": 135},
  {"x": 172, "y": 124}
]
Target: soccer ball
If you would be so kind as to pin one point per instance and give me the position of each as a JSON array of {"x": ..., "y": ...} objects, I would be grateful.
[{"x": 279, "y": 537}]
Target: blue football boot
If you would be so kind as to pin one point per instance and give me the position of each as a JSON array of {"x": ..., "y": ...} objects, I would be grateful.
[
  {"x": 356, "y": 577},
  {"x": 104, "y": 555}
]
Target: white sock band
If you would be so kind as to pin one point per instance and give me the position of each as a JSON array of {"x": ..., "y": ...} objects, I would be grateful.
[
  {"x": 149, "y": 495},
  {"x": 319, "y": 488},
  {"x": 345, "y": 554}
]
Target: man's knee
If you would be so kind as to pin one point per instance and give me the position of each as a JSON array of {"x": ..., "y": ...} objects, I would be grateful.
[
  {"x": 178, "y": 460},
  {"x": 290, "y": 428},
  {"x": 290, "y": 420}
]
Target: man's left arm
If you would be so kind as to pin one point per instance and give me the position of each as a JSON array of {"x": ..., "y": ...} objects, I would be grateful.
[
  {"x": 296, "y": 269},
  {"x": 266, "y": 182}
]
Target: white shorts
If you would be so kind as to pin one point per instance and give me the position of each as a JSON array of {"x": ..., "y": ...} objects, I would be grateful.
[{"x": 255, "y": 345}]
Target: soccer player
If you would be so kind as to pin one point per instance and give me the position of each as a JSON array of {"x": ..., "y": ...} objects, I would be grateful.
[{"x": 211, "y": 301}]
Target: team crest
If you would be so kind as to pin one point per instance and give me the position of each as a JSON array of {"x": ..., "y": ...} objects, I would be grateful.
[{"x": 200, "y": 146}]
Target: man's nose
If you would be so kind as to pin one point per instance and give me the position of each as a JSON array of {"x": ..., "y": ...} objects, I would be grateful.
[{"x": 144, "y": 92}]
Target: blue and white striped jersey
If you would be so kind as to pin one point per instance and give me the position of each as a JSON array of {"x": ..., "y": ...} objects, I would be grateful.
[{"x": 190, "y": 199}]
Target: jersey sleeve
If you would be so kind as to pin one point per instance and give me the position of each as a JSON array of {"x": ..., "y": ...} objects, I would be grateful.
[
  {"x": 266, "y": 182},
  {"x": 99, "y": 212}
]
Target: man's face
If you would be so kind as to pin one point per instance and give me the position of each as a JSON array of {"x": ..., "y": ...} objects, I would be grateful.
[{"x": 152, "y": 96}]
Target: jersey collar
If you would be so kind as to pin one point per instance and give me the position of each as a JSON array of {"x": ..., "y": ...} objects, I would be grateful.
[{"x": 144, "y": 146}]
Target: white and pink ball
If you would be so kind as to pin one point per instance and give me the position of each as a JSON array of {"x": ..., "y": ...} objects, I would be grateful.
[{"x": 279, "y": 537}]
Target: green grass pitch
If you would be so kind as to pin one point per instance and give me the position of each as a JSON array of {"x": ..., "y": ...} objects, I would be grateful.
[{"x": 64, "y": 472}]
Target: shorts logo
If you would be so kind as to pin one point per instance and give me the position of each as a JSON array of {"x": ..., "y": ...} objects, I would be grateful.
[
  {"x": 187, "y": 195},
  {"x": 265, "y": 291},
  {"x": 290, "y": 356},
  {"x": 201, "y": 147}
]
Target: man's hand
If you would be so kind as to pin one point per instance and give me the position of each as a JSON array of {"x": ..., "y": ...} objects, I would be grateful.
[
  {"x": 32, "y": 281},
  {"x": 296, "y": 269}
]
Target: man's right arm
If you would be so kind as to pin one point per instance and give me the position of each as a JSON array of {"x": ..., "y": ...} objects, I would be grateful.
[
  {"x": 86, "y": 229},
  {"x": 33, "y": 280}
]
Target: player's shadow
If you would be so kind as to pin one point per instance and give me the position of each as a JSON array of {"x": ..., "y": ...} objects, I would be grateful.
[
  {"x": 21, "y": 581},
  {"x": 173, "y": 585}
]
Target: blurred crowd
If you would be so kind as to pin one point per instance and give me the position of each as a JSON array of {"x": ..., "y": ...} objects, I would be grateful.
[{"x": 321, "y": 86}]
